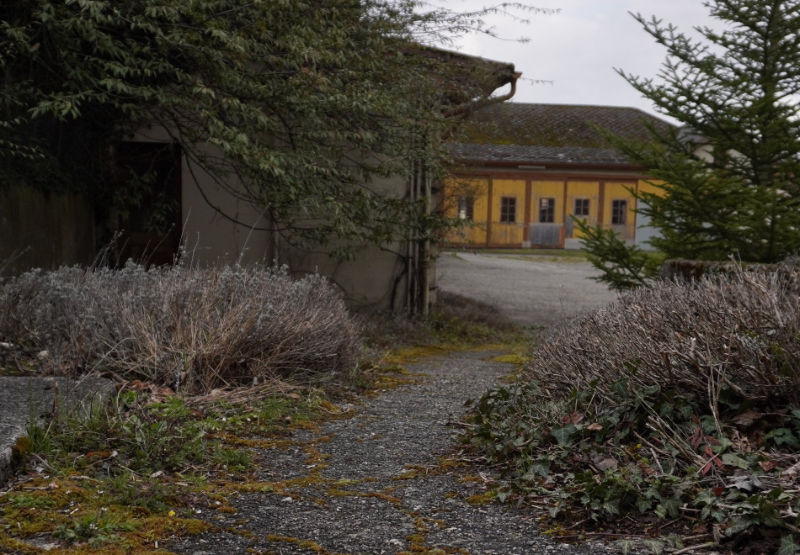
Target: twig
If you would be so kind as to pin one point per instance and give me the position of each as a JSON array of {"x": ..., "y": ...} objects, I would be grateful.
[
  {"x": 695, "y": 537},
  {"x": 657, "y": 424},
  {"x": 685, "y": 509},
  {"x": 89, "y": 478},
  {"x": 576, "y": 524},
  {"x": 655, "y": 458},
  {"x": 692, "y": 548},
  {"x": 713, "y": 398}
]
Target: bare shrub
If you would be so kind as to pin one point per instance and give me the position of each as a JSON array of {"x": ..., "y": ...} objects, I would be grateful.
[
  {"x": 677, "y": 402},
  {"x": 738, "y": 331},
  {"x": 189, "y": 329}
]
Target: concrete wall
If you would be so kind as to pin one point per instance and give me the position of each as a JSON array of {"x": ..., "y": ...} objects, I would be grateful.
[
  {"x": 210, "y": 236},
  {"x": 43, "y": 230},
  {"x": 208, "y": 233},
  {"x": 374, "y": 278},
  {"x": 369, "y": 279}
]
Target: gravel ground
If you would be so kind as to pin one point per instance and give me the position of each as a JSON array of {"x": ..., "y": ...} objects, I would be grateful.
[
  {"x": 529, "y": 289},
  {"x": 379, "y": 480},
  {"x": 375, "y": 482}
]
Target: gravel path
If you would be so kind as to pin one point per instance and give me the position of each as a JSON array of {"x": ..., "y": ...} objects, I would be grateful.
[
  {"x": 379, "y": 481},
  {"x": 529, "y": 289}
]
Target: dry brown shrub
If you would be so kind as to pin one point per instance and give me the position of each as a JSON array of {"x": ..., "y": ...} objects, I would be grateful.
[
  {"x": 739, "y": 331},
  {"x": 186, "y": 328}
]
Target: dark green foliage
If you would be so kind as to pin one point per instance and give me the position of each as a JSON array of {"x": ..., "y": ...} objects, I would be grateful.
[
  {"x": 301, "y": 102},
  {"x": 130, "y": 436},
  {"x": 623, "y": 266},
  {"x": 728, "y": 175}
]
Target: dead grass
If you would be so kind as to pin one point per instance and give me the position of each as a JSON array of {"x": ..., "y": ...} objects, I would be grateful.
[{"x": 454, "y": 321}]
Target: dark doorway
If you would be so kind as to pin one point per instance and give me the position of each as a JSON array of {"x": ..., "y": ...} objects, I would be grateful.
[{"x": 148, "y": 211}]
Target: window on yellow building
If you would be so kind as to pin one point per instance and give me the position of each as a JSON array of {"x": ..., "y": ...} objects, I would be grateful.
[
  {"x": 466, "y": 208},
  {"x": 547, "y": 210},
  {"x": 619, "y": 212},
  {"x": 508, "y": 210},
  {"x": 581, "y": 208}
]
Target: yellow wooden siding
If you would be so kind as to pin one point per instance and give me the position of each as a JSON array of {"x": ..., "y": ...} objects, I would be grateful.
[
  {"x": 620, "y": 191},
  {"x": 648, "y": 187},
  {"x": 601, "y": 196},
  {"x": 478, "y": 189},
  {"x": 580, "y": 190},
  {"x": 505, "y": 233}
]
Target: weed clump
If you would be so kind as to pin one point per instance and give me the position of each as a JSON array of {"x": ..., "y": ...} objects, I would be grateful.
[
  {"x": 190, "y": 329},
  {"x": 677, "y": 407},
  {"x": 454, "y": 320}
]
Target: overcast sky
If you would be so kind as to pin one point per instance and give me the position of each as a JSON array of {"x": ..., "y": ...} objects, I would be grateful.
[{"x": 577, "y": 49}]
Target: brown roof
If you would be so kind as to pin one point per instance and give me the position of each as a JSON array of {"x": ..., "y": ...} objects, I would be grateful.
[
  {"x": 557, "y": 133},
  {"x": 533, "y": 154}
]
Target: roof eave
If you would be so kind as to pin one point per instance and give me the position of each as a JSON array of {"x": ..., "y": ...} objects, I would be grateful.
[{"x": 525, "y": 165}]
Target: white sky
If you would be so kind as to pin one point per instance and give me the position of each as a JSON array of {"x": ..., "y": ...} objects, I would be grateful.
[{"x": 577, "y": 49}]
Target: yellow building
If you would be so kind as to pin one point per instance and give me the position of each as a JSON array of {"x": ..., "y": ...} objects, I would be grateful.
[{"x": 522, "y": 171}]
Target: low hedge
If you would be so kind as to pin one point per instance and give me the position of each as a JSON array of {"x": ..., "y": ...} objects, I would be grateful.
[{"x": 186, "y": 328}]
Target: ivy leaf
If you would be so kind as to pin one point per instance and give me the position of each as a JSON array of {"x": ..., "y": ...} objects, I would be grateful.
[
  {"x": 783, "y": 436},
  {"x": 729, "y": 459},
  {"x": 611, "y": 507},
  {"x": 669, "y": 507},
  {"x": 788, "y": 545},
  {"x": 563, "y": 435},
  {"x": 643, "y": 504}
]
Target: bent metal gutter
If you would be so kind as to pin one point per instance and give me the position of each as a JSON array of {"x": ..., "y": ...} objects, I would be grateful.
[{"x": 487, "y": 100}]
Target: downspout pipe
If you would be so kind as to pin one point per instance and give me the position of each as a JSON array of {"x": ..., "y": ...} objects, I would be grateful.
[{"x": 423, "y": 250}]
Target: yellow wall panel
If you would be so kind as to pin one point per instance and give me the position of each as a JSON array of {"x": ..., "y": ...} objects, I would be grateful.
[
  {"x": 620, "y": 191},
  {"x": 617, "y": 191},
  {"x": 647, "y": 187},
  {"x": 487, "y": 228},
  {"x": 506, "y": 233},
  {"x": 477, "y": 188},
  {"x": 547, "y": 189},
  {"x": 589, "y": 190},
  {"x": 508, "y": 188}
]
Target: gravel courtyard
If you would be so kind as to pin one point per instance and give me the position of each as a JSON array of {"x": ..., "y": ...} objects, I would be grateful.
[{"x": 540, "y": 290}]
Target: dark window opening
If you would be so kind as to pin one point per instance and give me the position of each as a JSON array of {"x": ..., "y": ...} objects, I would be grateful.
[
  {"x": 581, "y": 207},
  {"x": 619, "y": 212},
  {"x": 508, "y": 210},
  {"x": 547, "y": 210}
]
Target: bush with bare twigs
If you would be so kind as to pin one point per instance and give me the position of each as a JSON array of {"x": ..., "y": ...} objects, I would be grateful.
[
  {"x": 679, "y": 403},
  {"x": 189, "y": 329},
  {"x": 738, "y": 333}
]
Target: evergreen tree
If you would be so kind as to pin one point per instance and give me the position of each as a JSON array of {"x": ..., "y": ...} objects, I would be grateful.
[{"x": 730, "y": 172}]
